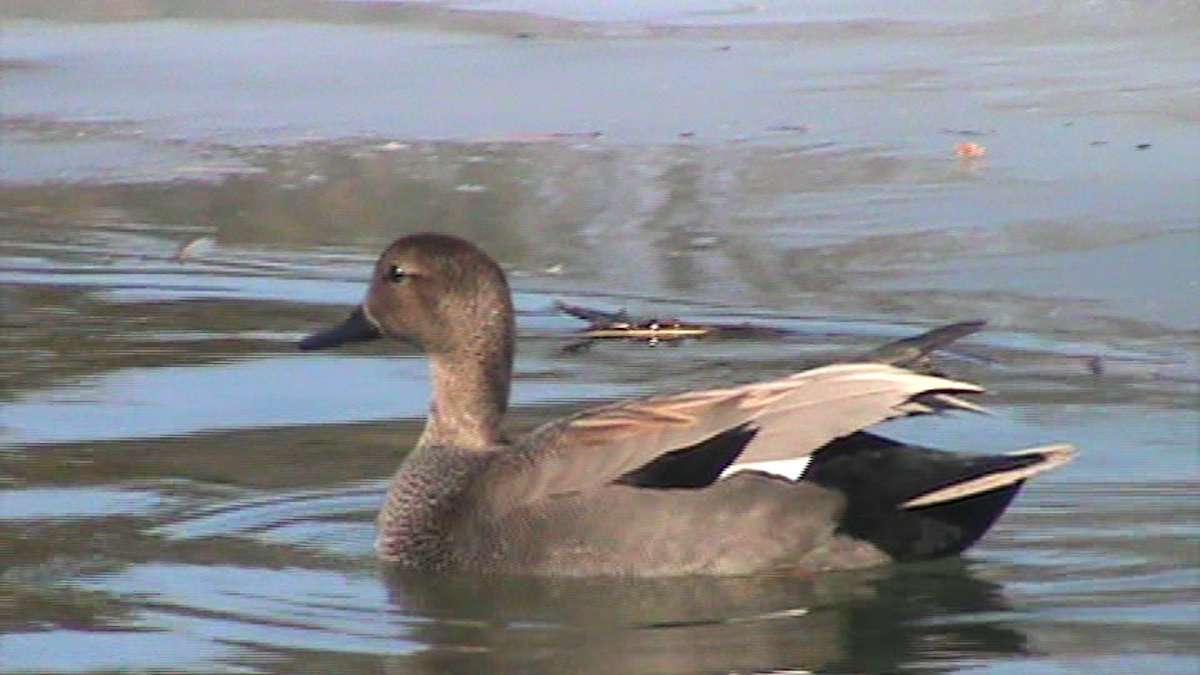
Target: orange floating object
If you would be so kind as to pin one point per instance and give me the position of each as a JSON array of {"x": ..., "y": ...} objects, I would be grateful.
[{"x": 970, "y": 150}]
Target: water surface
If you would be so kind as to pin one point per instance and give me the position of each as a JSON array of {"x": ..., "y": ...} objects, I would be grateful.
[{"x": 182, "y": 491}]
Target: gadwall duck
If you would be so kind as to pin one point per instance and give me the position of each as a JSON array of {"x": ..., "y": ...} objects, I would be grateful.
[{"x": 687, "y": 483}]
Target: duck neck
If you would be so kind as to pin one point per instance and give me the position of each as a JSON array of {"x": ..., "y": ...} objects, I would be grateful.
[{"x": 470, "y": 390}]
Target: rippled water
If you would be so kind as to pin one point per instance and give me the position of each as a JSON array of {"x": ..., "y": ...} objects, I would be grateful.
[{"x": 182, "y": 491}]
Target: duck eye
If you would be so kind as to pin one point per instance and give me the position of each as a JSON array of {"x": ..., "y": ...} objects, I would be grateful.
[{"x": 395, "y": 274}]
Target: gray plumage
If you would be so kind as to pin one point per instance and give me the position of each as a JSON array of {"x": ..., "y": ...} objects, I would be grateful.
[{"x": 655, "y": 486}]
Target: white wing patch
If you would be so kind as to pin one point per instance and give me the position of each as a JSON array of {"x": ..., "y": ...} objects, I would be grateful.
[{"x": 791, "y": 469}]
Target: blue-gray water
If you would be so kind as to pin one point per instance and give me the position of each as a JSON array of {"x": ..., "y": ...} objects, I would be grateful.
[{"x": 182, "y": 491}]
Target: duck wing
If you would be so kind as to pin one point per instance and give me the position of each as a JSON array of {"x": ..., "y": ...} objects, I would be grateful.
[{"x": 688, "y": 439}]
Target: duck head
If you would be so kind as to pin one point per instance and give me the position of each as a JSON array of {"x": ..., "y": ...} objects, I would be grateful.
[{"x": 437, "y": 291}]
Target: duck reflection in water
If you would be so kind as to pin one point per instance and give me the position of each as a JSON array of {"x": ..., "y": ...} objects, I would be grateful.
[{"x": 923, "y": 618}]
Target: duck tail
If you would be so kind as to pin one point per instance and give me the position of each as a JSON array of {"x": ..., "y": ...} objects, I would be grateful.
[
  {"x": 917, "y": 503},
  {"x": 1020, "y": 465}
]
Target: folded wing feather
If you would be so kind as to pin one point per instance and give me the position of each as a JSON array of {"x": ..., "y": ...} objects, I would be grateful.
[{"x": 794, "y": 416}]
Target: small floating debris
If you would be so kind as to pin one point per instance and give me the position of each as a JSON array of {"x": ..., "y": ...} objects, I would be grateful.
[
  {"x": 576, "y": 134},
  {"x": 532, "y": 138},
  {"x": 968, "y": 132},
  {"x": 1142, "y": 146},
  {"x": 470, "y": 187},
  {"x": 703, "y": 241},
  {"x": 792, "y": 128},
  {"x": 970, "y": 150},
  {"x": 196, "y": 247},
  {"x": 911, "y": 352},
  {"x": 622, "y": 326},
  {"x": 655, "y": 330},
  {"x": 915, "y": 353}
]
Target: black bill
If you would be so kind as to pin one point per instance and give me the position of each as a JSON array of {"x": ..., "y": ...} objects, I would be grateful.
[{"x": 356, "y": 328}]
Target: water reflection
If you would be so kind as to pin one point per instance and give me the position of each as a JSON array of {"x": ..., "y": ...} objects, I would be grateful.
[
  {"x": 863, "y": 622},
  {"x": 742, "y": 224},
  {"x": 929, "y": 619}
]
